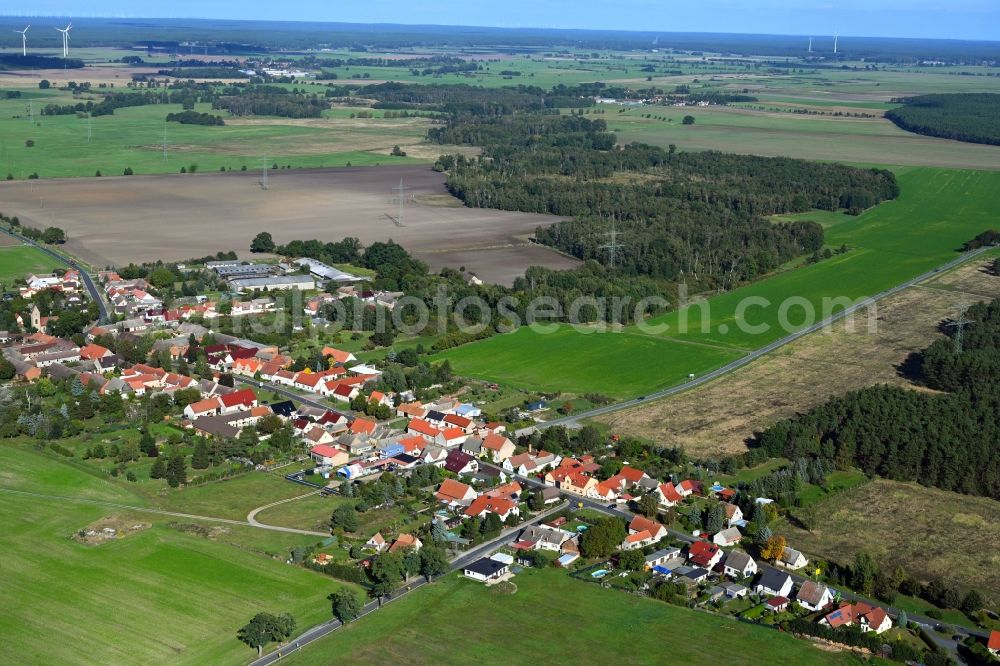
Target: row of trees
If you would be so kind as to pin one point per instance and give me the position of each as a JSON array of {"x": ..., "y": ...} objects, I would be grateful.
[{"x": 195, "y": 118}]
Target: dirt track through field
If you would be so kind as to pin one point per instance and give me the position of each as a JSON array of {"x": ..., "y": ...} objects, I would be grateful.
[{"x": 176, "y": 217}]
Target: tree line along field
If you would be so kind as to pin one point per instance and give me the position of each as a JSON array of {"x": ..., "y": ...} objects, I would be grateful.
[
  {"x": 937, "y": 211},
  {"x": 155, "y": 595},
  {"x": 554, "y": 615}
]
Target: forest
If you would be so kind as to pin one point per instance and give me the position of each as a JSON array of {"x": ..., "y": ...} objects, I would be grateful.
[
  {"x": 946, "y": 440},
  {"x": 195, "y": 118},
  {"x": 697, "y": 215},
  {"x": 270, "y": 101},
  {"x": 971, "y": 117}
]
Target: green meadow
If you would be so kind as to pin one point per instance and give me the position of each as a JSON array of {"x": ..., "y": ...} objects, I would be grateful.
[
  {"x": 16, "y": 260},
  {"x": 565, "y": 621},
  {"x": 156, "y": 595},
  {"x": 66, "y": 145},
  {"x": 620, "y": 364},
  {"x": 937, "y": 211},
  {"x": 814, "y": 137}
]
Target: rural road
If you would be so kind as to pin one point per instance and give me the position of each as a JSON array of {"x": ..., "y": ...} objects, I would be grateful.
[
  {"x": 115, "y": 505},
  {"x": 321, "y": 630},
  {"x": 574, "y": 419},
  {"x": 95, "y": 293},
  {"x": 280, "y": 390}
]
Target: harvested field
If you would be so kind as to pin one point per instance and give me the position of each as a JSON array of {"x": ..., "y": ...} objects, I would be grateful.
[
  {"x": 143, "y": 218},
  {"x": 717, "y": 418},
  {"x": 910, "y": 525}
]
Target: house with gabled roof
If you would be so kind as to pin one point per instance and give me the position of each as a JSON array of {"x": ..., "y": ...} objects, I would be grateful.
[
  {"x": 993, "y": 643},
  {"x": 734, "y": 514},
  {"x": 338, "y": 355},
  {"x": 360, "y": 426},
  {"x": 498, "y": 447},
  {"x": 667, "y": 495},
  {"x": 501, "y": 506},
  {"x": 456, "y": 421},
  {"x": 434, "y": 455},
  {"x": 543, "y": 537},
  {"x": 455, "y": 493},
  {"x": 642, "y": 532},
  {"x": 324, "y": 454},
  {"x": 405, "y": 542},
  {"x": 727, "y": 537},
  {"x": 860, "y": 613},
  {"x": 423, "y": 429},
  {"x": 412, "y": 410},
  {"x": 458, "y": 462},
  {"x": 201, "y": 408},
  {"x": 94, "y": 351},
  {"x": 704, "y": 554},
  {"x": 511, "y": 491},
  {"x": 450, "y": 437},
  {"x": 318, "y": 435},
  {"x": 792, "y": 559},
  {"x": 739, "y": 565},
  {"x": 774, "y": 583},
  {"x": 814, "y": 596},
  {"x": 376, "y": 543},
  {"x": 688, "y": 487},
  {"x": 237, "y": 400}
]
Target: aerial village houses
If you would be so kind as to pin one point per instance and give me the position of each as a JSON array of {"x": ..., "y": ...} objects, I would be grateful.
[
  {"x": 814, "y": 596},
  {"x": 643, "y": 532},
  {"x": 455, "y": 493},
  {"x": 861, "y": 614}
]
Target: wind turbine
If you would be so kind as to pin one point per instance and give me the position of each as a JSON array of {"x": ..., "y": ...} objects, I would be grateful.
[
  {"x": 65, "y": 35},
  {"x": 810, "y": 45},
  {"x": 24, "y": 40},
  {"x": 834, "y": 43}
]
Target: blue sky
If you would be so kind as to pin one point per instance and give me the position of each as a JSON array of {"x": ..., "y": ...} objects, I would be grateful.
[{"x": 960, "y": 19}]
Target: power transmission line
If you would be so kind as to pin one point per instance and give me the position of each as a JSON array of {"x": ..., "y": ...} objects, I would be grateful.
[
  {"x": 960, "y": 324},
  {"x": 263, "y": 173},
  {"x": 613, "y": 245},
  {"x": 400, "y": 199}
]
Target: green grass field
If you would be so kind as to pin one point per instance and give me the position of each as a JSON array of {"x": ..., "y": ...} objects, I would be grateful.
[
  {"x": 155, "y": 596},
  {"x": 854, "y": 140},
  {"x": 553, "y": 618},
  {"x": 17, "y": 260},
  {"x": 133, "y": 137},
  {"x": 938, "y": 211}
]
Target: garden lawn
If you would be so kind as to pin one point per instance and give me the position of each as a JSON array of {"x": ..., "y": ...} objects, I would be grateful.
[
  {"x": 18, "y": 260},
  {"x": 936, "y": 213},
  {"x": 554, "y": 618}
]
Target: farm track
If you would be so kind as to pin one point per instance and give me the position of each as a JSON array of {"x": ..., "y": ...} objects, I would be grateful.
[{"x": 161, "y": 512}]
